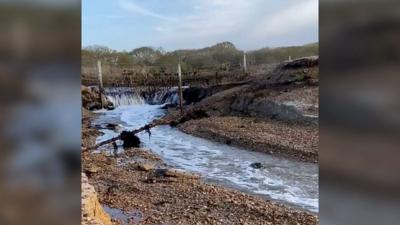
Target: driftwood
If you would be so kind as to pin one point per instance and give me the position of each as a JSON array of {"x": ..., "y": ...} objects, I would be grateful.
[{"x": 174, "y": 121}]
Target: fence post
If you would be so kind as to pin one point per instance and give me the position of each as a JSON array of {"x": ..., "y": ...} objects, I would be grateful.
[
  {"x": 100, "y": 75},
  {"x": 244, "y": 63},
  {"x": 180, "y": 88}
]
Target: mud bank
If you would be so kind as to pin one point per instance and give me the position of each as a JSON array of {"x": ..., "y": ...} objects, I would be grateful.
[{"x": 132, "y": 183}]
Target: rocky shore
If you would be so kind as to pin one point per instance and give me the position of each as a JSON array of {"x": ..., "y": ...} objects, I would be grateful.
[{"x": 136, "y": 187}]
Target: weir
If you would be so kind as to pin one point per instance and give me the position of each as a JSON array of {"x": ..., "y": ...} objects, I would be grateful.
[{"x": 120, "y": 96}]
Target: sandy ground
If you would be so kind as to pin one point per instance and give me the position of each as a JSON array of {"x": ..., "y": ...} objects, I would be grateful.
[
  {"x": 131, "y": 182},
  {"x": 299, "y": 142}
]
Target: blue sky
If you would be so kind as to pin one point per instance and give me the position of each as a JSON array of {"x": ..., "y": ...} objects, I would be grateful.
[{"x": 183, "y": 24}]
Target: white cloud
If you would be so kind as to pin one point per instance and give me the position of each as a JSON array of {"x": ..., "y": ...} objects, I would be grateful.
[
  {"x": 135, "y": 8},
  {"x": 239, "y": 21},
  {"x": 249, "y": 24},
  {"x": 207, "y": 19},
  {"x": 295, "y": 17}
]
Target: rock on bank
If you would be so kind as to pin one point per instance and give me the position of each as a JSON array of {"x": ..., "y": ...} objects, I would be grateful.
[{"x": 92, "y": 211}]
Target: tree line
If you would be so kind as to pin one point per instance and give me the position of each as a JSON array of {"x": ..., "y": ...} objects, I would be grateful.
[{"x": 222, "y": 56}]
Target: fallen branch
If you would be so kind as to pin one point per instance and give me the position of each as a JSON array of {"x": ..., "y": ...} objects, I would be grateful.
[{"x": 193, "y": 114}]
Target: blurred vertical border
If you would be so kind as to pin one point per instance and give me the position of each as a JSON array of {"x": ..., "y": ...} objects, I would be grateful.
[
  {"x": 40, "y": 46},
  {"x": 360, "y": 112},
  {"x": 40, "y": 111}
]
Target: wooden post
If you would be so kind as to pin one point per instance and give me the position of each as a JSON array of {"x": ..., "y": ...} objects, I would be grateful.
[
  {"x": 100, "y": 75},
  {"x": 290, "y": 58},
  {"x": 180, "y": 88},
  {"x": 244, "y": 63}
]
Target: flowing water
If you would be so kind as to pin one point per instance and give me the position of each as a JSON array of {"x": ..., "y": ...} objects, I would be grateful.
[{"x": 291, "y": 182}]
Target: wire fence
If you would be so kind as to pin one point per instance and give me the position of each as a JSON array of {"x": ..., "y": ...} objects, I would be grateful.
[{"x": 163, "y": 75}]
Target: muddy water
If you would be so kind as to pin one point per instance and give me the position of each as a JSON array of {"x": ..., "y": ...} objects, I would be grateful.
[
  {"x": 291, "y": 182},
  {"x": 132, "y": 217}
]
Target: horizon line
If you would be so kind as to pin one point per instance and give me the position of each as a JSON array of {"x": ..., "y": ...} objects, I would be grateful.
[{"x": 180, "y": 49}]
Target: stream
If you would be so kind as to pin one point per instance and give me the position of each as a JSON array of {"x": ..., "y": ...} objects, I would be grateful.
[{"x": 280, "y": 179}]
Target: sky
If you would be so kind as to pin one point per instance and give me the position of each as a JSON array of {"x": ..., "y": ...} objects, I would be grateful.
[{"x": 190, "y": 24}]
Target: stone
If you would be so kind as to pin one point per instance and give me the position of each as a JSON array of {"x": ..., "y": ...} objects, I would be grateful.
[
  {"x": 169, "y": 105},
  {"x": 256, "y": 165},
  {"x": 110, "y": 106},
  {"x": 111, "y": 126},
  {"x": 92, "y": 169},
  {"x": 145, "y": 167},
  {"x": 93, "y": 106},
  {"x": 174, "y": 123},
  {"x": 174, "y": 173}
]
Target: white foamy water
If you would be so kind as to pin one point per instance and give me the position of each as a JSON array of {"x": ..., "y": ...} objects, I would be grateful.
[
  {"x": 284, "y": 180},
  {"x": 122, "y": 96},
  {"x": 131, "y": 99}
]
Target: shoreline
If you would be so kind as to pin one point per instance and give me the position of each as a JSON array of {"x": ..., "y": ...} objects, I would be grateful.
[
  {"x": 300, "y": 144},
  {"x": 130, "y": 182}
]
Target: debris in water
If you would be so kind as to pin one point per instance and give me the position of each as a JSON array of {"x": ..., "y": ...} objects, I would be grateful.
[
  {"x": 130, "y": 139},
  {"x": 257, "y": 165},
  {"x": 111, "y": 126},
  {"x": 115, "y": 146},
  {"x": 147, "y": 129}
]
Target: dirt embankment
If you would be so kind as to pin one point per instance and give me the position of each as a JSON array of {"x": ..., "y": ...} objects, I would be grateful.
[
  {"x": 276, "y": 113},
  {"x": 135, "y": 185},
  {"x": 288, "y": 93}
]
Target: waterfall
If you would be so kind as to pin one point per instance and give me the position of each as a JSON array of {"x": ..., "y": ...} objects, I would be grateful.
[
  {"x": 141, "y": 95},
  {"x": 126, "y": 99},
  {"x": 161, "y": 96},
  {"x": 124, "y": 96}
]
